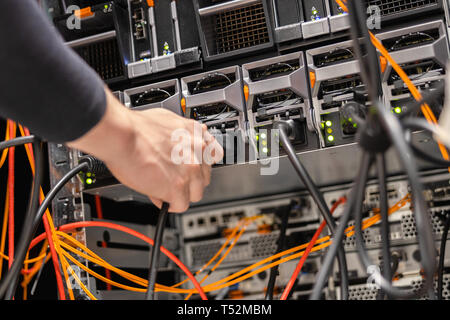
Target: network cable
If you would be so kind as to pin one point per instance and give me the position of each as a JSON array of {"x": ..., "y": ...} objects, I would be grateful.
[
  {"x": 154, "y": 255},
  {"x": 373, "y": 141},
  {"x": 285, "y": 130},
  {"x": 30, "y": 227}
]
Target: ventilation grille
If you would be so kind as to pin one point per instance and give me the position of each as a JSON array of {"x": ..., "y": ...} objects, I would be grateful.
[
  {"x": 390, "y": 7},
  {"x": 417, "y": 285},
  {"x": 240, "y": 28},
  {"x": 350, "y": 242},
  {"x": 362, "y": 292},
  {"x": 264, "y": 246},
  {"x": 104, "y": 57},
  {"x": 408, "y": 225},
  {"x": 204, "y": 252}
]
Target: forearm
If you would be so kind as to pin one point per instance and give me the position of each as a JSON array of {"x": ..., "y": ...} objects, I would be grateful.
[
  {"x": 45, "y": 85},
  {"x": 112, "y": 136}
]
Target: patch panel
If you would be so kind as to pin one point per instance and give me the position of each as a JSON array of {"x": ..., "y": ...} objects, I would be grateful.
[
  {"x": 251, "y": 247},
  {"x": 276, "y": 89},
  {"x": 211, "y": 222}
]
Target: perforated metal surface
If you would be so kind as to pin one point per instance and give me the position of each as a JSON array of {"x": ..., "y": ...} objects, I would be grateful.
[
  {"x": 408, "y": 225},
  {"x": 241, "y": 28},
  {"x": 417, "y": 285},
  {"x": 103, "y": 57},
  {"x": 263, "y": 246},
  {"x": 390, "y": 7},
  {"x": 362, "y": 292}
]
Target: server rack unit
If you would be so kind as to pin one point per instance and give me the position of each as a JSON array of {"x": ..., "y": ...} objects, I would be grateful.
[
  {"x": 102, "y": 52},
  {"x": 335, "y": 81},
  {"x": 158, "y": 42},
  {"x": 165, "y": 94},
  {"x": 288, "y": 19},
  {"x": 422, "y": 51},
  {"x": 234, "y": 27},
  {"x": 216, "y": 99},
  {"x": 278, "y": 90}
]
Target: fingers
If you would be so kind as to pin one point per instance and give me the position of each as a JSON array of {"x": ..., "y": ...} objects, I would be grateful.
[{"x": 156, "y": 202}]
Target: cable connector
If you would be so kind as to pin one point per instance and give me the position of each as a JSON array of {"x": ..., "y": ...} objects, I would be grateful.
[
  {"x": 288, "y": 126},
  {"x": 95, "y": 165}
]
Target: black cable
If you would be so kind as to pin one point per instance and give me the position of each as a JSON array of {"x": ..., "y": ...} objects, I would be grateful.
[
  {"x": 369, "y": 62},
  {"x": 382, "y": 118},
  {"x": 154, "y": 255},
  {"x": 285, "y": 129},
  {"x": 421, "y": 124},
  {"x": 281, "y": 243},
  {"x": 429, "y": 157},
  {"x": 426, "y": 237},
  {"x": 17, "y": 142},
  {"x": 440, "y": 271},
  {"x": 384, "y": 207},
  {"x": 32, "y": 207},
  {"x": 432, "y": 98},
  {"x": 26, "y": 237},
  {"x": 327, "y": 263}
]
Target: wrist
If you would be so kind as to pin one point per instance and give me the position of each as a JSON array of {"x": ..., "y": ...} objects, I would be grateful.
[{"x": 113, "y": 135}]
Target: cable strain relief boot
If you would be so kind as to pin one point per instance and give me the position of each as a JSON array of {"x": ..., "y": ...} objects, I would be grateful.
[
  {"x": 288, "y": 127},
  {"x": 95, "y": 165}
]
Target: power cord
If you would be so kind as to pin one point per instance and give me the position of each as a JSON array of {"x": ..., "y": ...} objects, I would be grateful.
[
  {"x": 285, "y": 212},
  {"x": 155, "y": 252},
  {"x": 286, "y": 128}
]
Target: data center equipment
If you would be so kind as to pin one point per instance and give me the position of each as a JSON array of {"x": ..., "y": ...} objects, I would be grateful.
[
  {"x": 239, "y": 66},
  {"x": 166, "y": 94},
  {"x": 216, "y": 99},
  {"x": 335, "y": 82},
  {"x": 422, "y": 51},
  {"x": 235, "y": 27},
  {"x": 277, "y": 88}
]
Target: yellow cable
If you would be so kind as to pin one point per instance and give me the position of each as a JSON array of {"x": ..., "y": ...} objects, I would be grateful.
[
  {"x": 83, "y": 287},
  {"x": 233, "y": 233},
  {"x": 232, "y": 279},
  {"x": 223, "y": 257},
  {"x": 59, "y": 252}
]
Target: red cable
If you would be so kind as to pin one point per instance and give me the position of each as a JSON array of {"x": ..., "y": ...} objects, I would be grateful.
[
  {"x": 104, "y": 224},
  {"x": 11, "y": 196},
  {"x": 48, "y": 232},
  {"x": 98, "y": 207},
  {"x": 311, "y": 244},
  {"x": 59, "y": 281}
]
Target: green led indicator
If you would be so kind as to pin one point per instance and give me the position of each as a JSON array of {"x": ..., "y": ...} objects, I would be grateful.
[
  {"x": 89, "y": 181},
  {"x": 330, "y": 138},
  {"x": 398, "y": 110},
  {"x": 88, "y": 174},
  {"x": 355, "y": 125},
  {"x": 328, "y": 123},
  {"x": 106, "y": 6}
]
